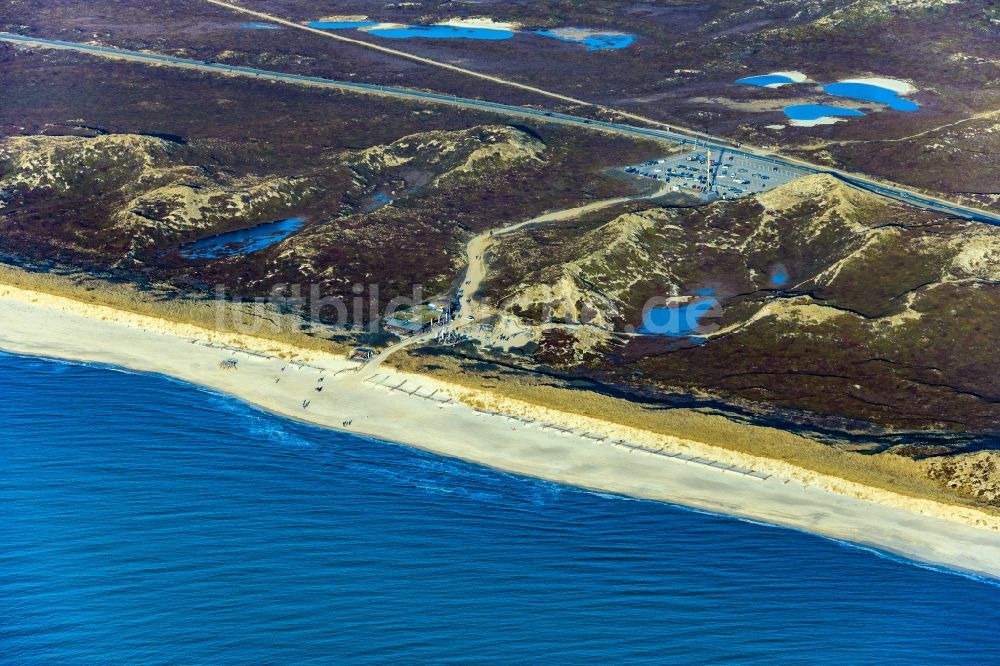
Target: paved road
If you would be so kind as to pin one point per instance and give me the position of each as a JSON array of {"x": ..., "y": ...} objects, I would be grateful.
[{"x": 884, "y": 188}]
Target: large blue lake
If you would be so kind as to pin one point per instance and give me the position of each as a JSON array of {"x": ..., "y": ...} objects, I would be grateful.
[{"x": 145, "y": 521}]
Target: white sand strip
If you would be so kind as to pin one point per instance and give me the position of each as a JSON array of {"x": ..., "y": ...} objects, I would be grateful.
[
  {"x": 822, "y": 120},
  {"x": 480, "y": 22},
  {"x": 384, "y": 26},
  {"x": 342, "y": 18},
  {"x": 900, "y": 87},
  {"x": 45, "y": 325},
  {"x": 796, "y": 76}
]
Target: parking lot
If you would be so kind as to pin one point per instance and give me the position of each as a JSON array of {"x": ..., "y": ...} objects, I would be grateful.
[{"x": 730, "y": 175}]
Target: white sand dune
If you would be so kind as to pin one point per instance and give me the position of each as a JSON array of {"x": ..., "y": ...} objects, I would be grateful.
[
  {"x": 349, "y": 18},
  {"x": 480, "y": 22},
  {"x": 959, "y": 537},
  {"x": 796, "y": 76},
  {"x": 900, "y": 87},
  {"x": 384, "y": 26},
  {"x": 813, "y": 122}
]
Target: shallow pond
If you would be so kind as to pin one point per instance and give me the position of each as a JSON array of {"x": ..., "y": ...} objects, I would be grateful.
[
  {"x": 766, "y": 80},
  {"x": 260, "y": 25},
  {"x": 817, "y": 111},
  {"x": 871, "y": 93},
  {"x": 779, "y": 276},
  {"x": 592, "y": 40},
  {"x": 440, "y": 32},
  {"x": 242, "y": 241},
  {"x": 340, "y": 25},
  {"x": 677, "y": 321}
]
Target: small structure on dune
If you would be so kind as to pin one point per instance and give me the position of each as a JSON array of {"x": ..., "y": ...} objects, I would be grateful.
[
  {"x": 415, "y": 320},
  {"x": 362, "y": 353}
]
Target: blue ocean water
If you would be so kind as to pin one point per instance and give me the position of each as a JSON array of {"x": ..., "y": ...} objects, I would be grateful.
[
  {"x": 869, "y": 93},
  {"x": 143, "y": 520},
  {"x": 242, "y": 241},
  {"x": 815, "y": 111}
]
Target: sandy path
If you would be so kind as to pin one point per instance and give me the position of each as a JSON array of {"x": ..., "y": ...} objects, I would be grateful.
[
  {"x": 977, "y": 116},
  {"x": 477, "y": 268},
  {"x": 49, "y": 326},
  {"x": 478, "y": 247}
]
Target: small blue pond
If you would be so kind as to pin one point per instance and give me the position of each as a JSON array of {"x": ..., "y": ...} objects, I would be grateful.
[
  {"x": 765, "y": 80},
  {"x": 816, "y": 111},
  {"x": 779, "y": 276},
  {"x": 379, "y": 200},
  {"x": 593, "y": 42},
  {"x": 260, "y": 25},
  {"x": 340, "y": 25},
  {"x": 441, "y": 32},
  {"x": 242, "y": 241},
  {"x": 869, "y": 93},
  {"x": 679, "y": 321}
]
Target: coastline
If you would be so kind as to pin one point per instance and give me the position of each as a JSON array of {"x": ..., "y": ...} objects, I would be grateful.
[{"x": 480, "y": 427}]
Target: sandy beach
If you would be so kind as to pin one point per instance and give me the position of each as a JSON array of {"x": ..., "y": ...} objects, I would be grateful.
[{"x": 516, "y": 437}]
